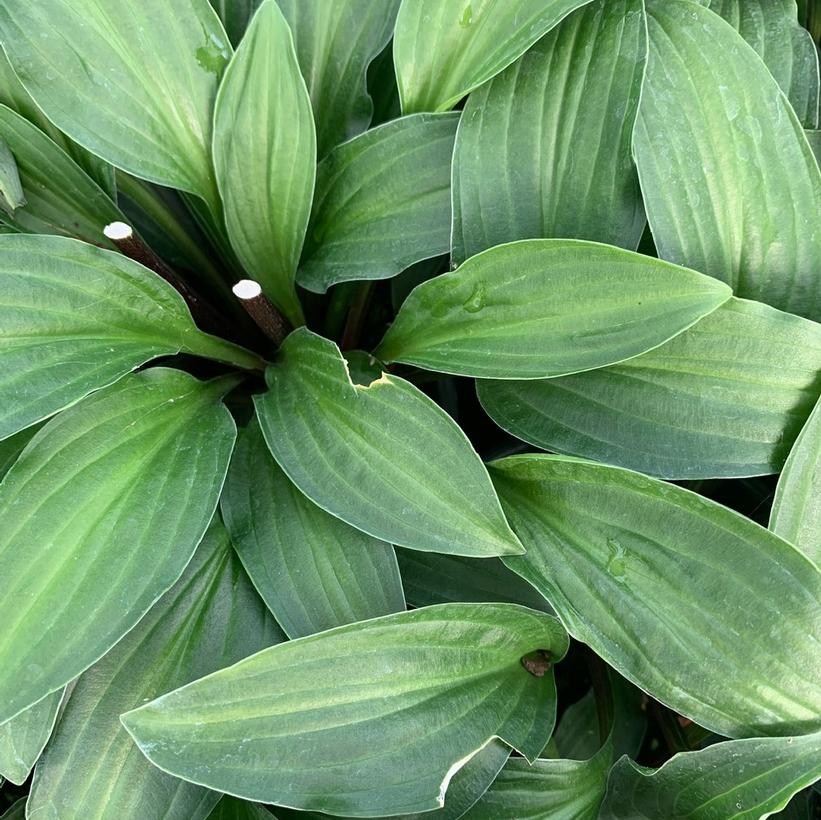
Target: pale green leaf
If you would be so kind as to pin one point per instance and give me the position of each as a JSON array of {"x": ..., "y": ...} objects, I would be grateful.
[
  {"x": 75, "y": 318},
  {"x": 91, "y": 768},
  {"x": 557, "y": 789},
  {"x": 133, "y": 83},
  {"x": 544, "y": 149},
  {"x": 796, "y": 511},
  {"x": 711, "y": 119},
  {"x": 445, "y": 48},
  {"x": 546, "y": 307},
  {"x": 60, "y": 196},
  {"x": 726, "y": 398},
  {"x": 382, "y": 202},
  {"x": 383, "y": 457},
  {"x": 314, "y": 571},
  {"x": 677, "y": 593},
  {"x": 265, "y": 155},
  {"x": 735, "y": 780},
  {"x": 335, "y": 42},
  {"x": 11, "y": 189},
  {"x": 366, "y": 719},
  {"x": 771, "y": 27},
  {"x": 103, "y": 510},
  {"x": 433, "y": 578},
  {"x": 22, "y": 738}
]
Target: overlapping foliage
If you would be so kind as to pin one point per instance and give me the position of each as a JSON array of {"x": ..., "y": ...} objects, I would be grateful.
[{"x": 492, "y": 491}]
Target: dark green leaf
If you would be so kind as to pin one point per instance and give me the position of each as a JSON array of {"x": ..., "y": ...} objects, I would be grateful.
[
  {"x": 335, "y": 42},
  {"x": 91, "y": 769},
  {"x": 103, "y": 510},
  {"x": 75, "y": 318},
  {"x": 547, "y": 307},
  {"x": 544, "y": 149},
  {"x": 725, "y": 398},
  {"x": 22, "y": 738},
  {"x": 265, "y": 155},
  {"x": 445, "y": 48},
  {"x": 235, "y": 16},
  {"x": 230, "y": 808},
  {"x": 11, "y": 447},
  {"x": 313, "y": 570},
  {"x": 17, "y": 811},
  {"x": 382, "y": 457},
  {"x": 132, "y": 82},
  {"x": 382, "y": 202},
  {"x": 736, "y": 780},
  {"x": 365, "y": 719},
  {"x": 677, "y": 593},
  {"x": 11, "y": 189},
  {"x": 711, "y": 118}
]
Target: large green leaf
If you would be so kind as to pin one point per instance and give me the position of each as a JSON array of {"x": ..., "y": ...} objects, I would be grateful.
[
  {"x": 382, "y": 202},
  {"x": 265, "y": 155},
  {"x": 772, "y": 29},
  {"x": 433, "y": 578},
  {"x": 314, "y": 571},
  {"x": 74, "y": 318},
  {"x": 556, "y": 789},
  {"x": 60, "y": 196},
  {"x": 366, "y": 719},
  {"x": 676, "y": 592},
  {"x": 102, "y": 512},
  {"x": 736, "y": 780},
  {"x": 544, "y": 149},
  {"x": 796, "y": 511},
  {"x": 22, "y": 738},
  {"x": 711, "y": 118},
  {"x": 445, "y": 48},
  {"x": 335, "y": 42},
  {"x": 91, "y": 769},
  {"x": 133, "y": 83},
  {"x": 725, "y": 398},
  {"x": 12, "y": 196},
  {"x": 546, "y": 307},
  {"x": 382, "y": 457}
]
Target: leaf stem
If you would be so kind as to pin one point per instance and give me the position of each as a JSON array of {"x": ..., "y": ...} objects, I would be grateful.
[{"x": 262, "y": 310}]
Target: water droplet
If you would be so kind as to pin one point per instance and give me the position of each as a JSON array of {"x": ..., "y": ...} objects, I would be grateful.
[
  {"x": 476, "y": 301},
  {"x": 738, "y": 805},
  {"x": 467, "y": 16},
  {"x": 617, "y": 563}
]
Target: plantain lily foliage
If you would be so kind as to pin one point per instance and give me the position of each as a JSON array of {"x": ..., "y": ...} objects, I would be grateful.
[{"x": 410, "y": 408}]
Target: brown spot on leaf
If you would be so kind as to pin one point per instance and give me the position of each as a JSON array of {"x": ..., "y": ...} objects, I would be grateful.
[{"x": 538, "y": 663}]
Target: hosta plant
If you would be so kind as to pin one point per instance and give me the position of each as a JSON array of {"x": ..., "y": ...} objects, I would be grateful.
[{"x": 408, "y": 408}]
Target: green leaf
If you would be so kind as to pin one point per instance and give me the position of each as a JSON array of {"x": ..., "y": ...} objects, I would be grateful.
[
  {"x": 11, "y": 189},
  {"x": 76, "y": 318},
  {"x": 211, "y": 617},
  {"x": 433, "y": 578},
  {"x": 229, "y": 808},
  {"x": 772, "y": 29},
  {"x": 736, "y": 780},
  {"x": 726, "y": 398},
  {"x": 104, "y": 509},
  {"x": 313, "y": 571},
  {"x": 556, "y": 789},
  {"x": 546, "y": 307},
  {"x": 335, "y": 42},
  {"x": 711, "y": 118},
  {"x": 369, "y": 718},
  {"x": 60, "y": 198},
  {"x": 22, "y": 738},
  {"x": 382, "y": 202},
  {"x": 132, "y": 83},
  {"x": 677, "y": 593},
  {"x": 445, "y": 48},
  {"x": 384, "y": 458},
  {"x": 235, "y": 16},
  {"x": 11, "y": 447},
  {"x": 17, "y": 811},
  {"x": 796, "y": 511},
  {"x": 265, "y": 155},
  {"x": 814, "y": 139},
  {"x": 544, "y": 149}
]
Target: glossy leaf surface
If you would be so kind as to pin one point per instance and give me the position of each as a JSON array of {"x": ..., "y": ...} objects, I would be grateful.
[
  {"x": 106, "y": 505},
  {"x": 366, "y": 719},
  {"x": 546, "y": 307},
  {"x": 384, "y": 457},
  {"x": 22, "y": 738},
  {"x": 676, "y": 592},
  {"x": 725, "y": 398}
]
